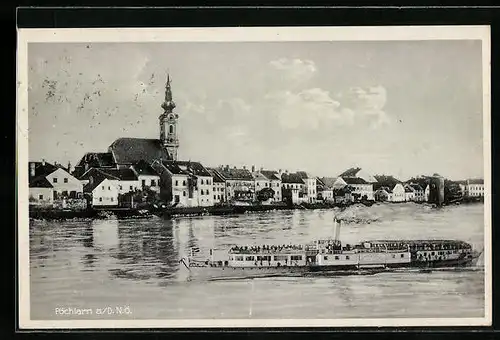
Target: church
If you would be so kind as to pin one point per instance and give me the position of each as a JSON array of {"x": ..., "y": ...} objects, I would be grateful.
[{"x": 126, "y": 152}]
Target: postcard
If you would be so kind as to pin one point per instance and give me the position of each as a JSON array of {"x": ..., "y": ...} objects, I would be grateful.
[{"x": 254, "y": 177}]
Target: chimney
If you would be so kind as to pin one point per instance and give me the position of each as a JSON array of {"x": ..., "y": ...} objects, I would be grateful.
[
  {"x": 43, "y": 162},
  {"x": 69, "y": 167},
  {"x": 32, "y": 169},
  {"x": 253, "y": 168},
  {"x": 91, "y": 180},
  {"x": 286, "y": 172},
  {"x": 234, "y": 167},
  {"x": 244, "y": 167},
  {"x": 279, "y": 171}
]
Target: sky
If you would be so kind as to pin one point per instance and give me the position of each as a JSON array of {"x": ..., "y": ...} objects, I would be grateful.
[{"x": 403, "y": 108}]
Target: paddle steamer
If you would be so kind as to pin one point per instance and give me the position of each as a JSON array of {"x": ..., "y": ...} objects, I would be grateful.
[{"x": 328, "y": 256}]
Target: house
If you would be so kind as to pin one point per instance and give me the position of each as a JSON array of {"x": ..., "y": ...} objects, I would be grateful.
[
  {"x": 185, "y": 183},
  {"x": 383, "y": 194},
  {"x": 340, "y": 190},
  {"x": 125, "y": 180},
  {"x": 219, "y": 186},
  {"x": 324, "y": 191},
  {"x": 393, "y": 187},
  {"x": 64, "y": 185},
  {"x": 419, "y": 192},
  {"x": 474, "y": 188},
  {"x": 310, "y": 190},
  {"x": 361, "y": 182},
  {"x": 275, "y": 182},
  {"x": 293, "y": 188},
  {"x": 102, "y": 191},
  {"x": 240, "y": 185},
  {"x": 146, "y": 176},
  {"x": 409, "y": 193},
  {"x": 40, "y": 192}
]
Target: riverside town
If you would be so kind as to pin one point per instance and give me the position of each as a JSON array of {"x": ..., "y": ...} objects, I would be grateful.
[{"x": 144, "y": 177}]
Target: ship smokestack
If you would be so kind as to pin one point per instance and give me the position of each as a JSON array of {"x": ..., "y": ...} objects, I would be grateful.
[{"x": 336, "y": 225}]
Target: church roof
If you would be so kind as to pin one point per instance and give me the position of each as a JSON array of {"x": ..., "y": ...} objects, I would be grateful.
[
  {"x": 385, "y": 181},
  {"x": 128, "y": 151},
  {"x": 121, "y": 174},
  {"x": 354, "y": 180},
  {"x": 328, "y": 181}
]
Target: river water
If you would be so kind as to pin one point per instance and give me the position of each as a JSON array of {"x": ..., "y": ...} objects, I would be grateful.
[{"x": 135, "y": 263}]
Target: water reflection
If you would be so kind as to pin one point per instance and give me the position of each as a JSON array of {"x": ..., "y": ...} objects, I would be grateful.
[{"x": 108, "y": 260}]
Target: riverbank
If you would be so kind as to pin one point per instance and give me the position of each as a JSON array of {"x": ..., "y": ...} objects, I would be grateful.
[{"x": 122, "y": 213}]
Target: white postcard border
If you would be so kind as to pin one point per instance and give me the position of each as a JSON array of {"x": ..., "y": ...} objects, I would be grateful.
[{"x": 239, "y": 34}]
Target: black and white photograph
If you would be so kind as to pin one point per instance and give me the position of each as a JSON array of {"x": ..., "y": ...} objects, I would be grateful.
[{"x": 254, "y": 177}]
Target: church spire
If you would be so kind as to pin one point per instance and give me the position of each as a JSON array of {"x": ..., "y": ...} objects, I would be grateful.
[
  {"x": 168, "y": 105},
  {"x": 168, "y": 123}
]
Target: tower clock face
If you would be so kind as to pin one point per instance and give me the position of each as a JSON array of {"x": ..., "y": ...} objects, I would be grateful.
[{"x": 171, "y": 117}]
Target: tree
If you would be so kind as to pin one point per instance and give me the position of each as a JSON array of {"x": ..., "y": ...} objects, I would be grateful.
[{"x": 265, "y": 194}]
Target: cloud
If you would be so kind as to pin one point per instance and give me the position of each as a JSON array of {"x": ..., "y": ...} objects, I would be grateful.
[
  {"x": 311, "y": 108},
  {"x": 367, "y": 104},
  {"x": 292, "y": 72}
]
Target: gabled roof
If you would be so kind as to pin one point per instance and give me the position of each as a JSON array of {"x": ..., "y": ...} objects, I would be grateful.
[
  {"x": 304, "y": 174},
  {"x": 186, "y": 168},
  {"x": 215, "y": 175},
  {"x": 386, "y": 189},
  {"x": 408, "y": 188},
  {"x": 128, "y": 151},
  {"x": 97, "y": 160},
  {"x": 354, "y": 180},
  {"x": 235, "y": 174},
  {"x": 41, "y": 168},
  {"x": 96, "y": 173},
  {"x": 271, "y": 174},
  {"x": 144, "y": 168},
  {"x": 385, "y": 181},
  {"x": 291, "y": 178},
  {"x": 40, "y": 182},
  {"x": 259, "y": 176},
  {"x": 351, "y": 172},
  {"x": 121, "y": 174},
  {"x": 416, "y": 187},
  {"x": 89, "y": 187},
  {"x": 328, "y": 181}
]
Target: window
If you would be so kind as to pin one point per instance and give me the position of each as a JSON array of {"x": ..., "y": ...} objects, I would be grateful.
[
  {"x": 121, "y": 188},
  {"x": 131, "y": 188},
  {"x": 184, "y": 183},
  {"x": 109, "y": 188},
  {"x": 202, "y": 191},
  {"x": 40, "y": 197},
  {"x": 184, "y": 193},
  {"x": 153, "y": 183},
  {"x": 214, "y": 188},
  {"x": 54, "y": 180},
  {"x": 393, "y": 256},
  {"x": 325, "y": 257},
  {"x": 143, "y": 183},
  {"x": 336, "y": 257},
  {"x": 347, "y": 257},
  {"x": 170, "y": 129},
  {"x": 112, "y": 199},
  {"x": 258, "y": 184},
  {"x": 249, "y": 258},
  {"x": 215, "y": 197},
  {"x": 102, "y": 187},
  {"x": 402, "y": 255},
  {"x": 202, "y": 181},
  {"x": 100, "y": 199},
  {"x": 65, "y": 180},
  {"x": 280, "y": 258},
  {"x": 238, "y": 258},
  {"x": 176, "y": 183},
  {"x": 296, "y": 257}
]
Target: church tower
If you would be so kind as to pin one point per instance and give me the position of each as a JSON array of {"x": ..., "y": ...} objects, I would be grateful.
[{"x": 168, "y": 123}]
